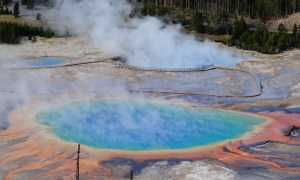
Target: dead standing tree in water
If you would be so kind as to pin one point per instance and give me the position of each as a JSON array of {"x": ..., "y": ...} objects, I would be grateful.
[
  {"x": 131, "y": 175},
  {"x": 77, "y": 163},
  {"x": 78, "y": 168}
]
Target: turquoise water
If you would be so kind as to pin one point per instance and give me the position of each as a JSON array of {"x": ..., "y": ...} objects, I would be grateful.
[
  {"x": 127, "y": 125},
  {"x": 45, "y": 62}
]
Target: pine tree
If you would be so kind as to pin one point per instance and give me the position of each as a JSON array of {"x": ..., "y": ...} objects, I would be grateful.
[
  {"x": 6, "y": 11},
  {"x": 295, "y": 31},
  {"x": 198, "y": 22},
  {"x": 282, "y": 28},
  {"x": 239, "y": 27},
  {"x": 282, "y": 37},
  {"x": 16, "y": 12},
  {"x": 38, "y": 16}
]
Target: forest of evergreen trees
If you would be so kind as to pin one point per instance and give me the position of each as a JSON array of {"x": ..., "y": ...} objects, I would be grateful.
[
  {"x": 264, "y": 9},
  {"x": 262, "y": 40},
  {"x": 12, "y": 32},
  {"x": 5, "y": 2},
  {"x": 259, "y": 39},
  {"x": 217, "y": 17},
  {"x": 30, "y": 3},
  {"x": 5, "y": 10}
]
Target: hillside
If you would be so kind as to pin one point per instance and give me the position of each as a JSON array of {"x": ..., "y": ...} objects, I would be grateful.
[
  {"x": 288, "y": 21},
  {"x": 264, "y": 9}
]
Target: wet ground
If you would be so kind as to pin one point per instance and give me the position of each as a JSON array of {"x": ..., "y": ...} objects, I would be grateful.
[{"x": 261, "y": 158}]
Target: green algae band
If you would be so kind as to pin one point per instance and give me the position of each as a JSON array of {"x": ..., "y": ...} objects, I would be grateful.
[{"x": 127, "y": 125}]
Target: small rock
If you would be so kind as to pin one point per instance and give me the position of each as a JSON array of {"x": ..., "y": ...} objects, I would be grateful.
[{"x": 291, "y": 131}]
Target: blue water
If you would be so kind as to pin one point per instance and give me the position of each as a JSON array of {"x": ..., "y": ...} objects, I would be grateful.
[
  {"x": 128, "y": 125},
  {"x": 45, "y": 62}
]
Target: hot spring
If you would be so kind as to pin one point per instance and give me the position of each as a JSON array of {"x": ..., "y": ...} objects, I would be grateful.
[
  {"x": 131, "y": 125},
  {"x": 46, "y": 62}
]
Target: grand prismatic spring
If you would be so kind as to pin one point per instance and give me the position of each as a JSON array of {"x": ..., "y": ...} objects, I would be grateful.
[{"x": 129, "y": 125}]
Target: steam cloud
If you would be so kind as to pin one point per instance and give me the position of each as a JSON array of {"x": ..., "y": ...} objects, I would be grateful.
[{"x": 146, "y": 41}]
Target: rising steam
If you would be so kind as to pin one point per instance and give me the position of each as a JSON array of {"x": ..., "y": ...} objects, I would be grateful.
[{"x": 146, "y": 41}]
